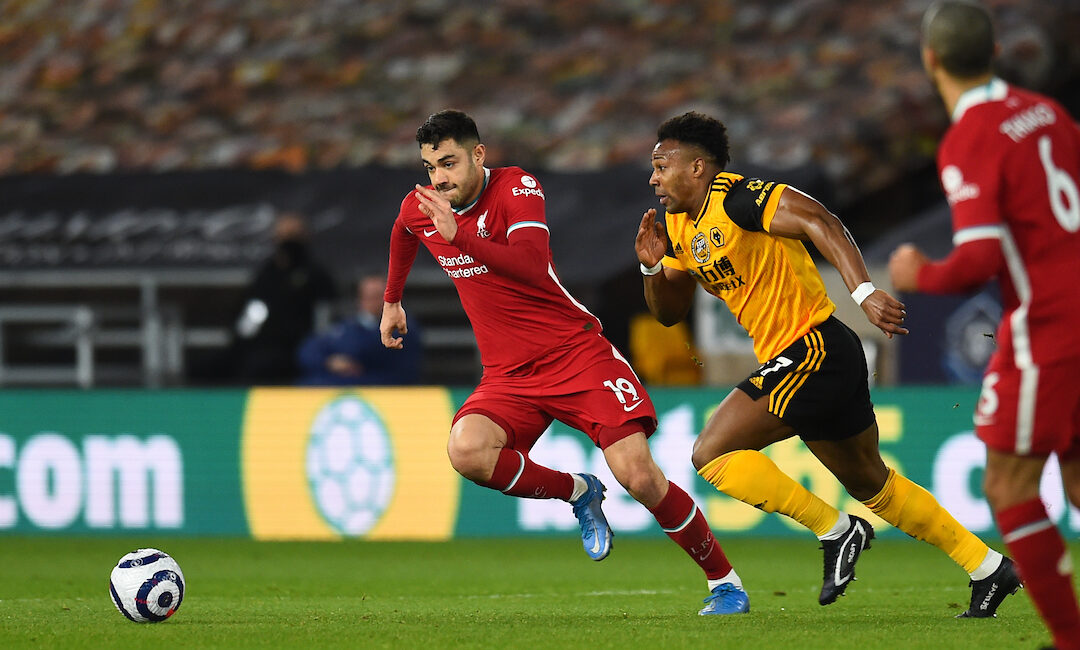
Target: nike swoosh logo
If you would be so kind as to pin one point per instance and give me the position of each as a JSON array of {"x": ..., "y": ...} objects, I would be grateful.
[
  {"x": 428, "y": 233},
  {"x": 704, "y": 557},
  {"x": 632, "y": 406}
]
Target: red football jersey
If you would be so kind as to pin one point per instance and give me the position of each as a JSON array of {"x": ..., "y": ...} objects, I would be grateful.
[
  {"x": 517, "y": 306},
  {"x": 1010, "y": 167}
]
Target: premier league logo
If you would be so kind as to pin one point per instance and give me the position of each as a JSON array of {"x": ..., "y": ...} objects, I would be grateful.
[{"x": 699, "y": 247}]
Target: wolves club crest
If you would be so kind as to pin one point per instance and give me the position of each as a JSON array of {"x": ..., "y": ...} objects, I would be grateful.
[{"x": 717, "y": 237}]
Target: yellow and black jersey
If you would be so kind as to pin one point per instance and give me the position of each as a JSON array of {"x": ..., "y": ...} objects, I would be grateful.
[{"x": 769, "y": 282}]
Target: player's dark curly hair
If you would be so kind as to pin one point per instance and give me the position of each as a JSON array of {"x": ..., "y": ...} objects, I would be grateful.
[
  {"x": 447, "y": 125},
  {"x": 695, "y": 128}
]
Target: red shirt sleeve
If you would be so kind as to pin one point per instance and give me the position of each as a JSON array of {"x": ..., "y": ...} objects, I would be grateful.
[
  {"x": 403, "y": 247},
  {"x": 969, "y": 165},
  {"x": 526, "y": 255},
  {"x": 968, "y": 266}
]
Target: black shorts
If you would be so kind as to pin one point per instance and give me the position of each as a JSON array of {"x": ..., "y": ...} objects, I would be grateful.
[{"x": 818, "y": 384}]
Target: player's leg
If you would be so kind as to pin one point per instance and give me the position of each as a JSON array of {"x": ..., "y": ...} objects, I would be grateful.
[
  {"x": 1070, "y": 476},
  {"x": 632, "y": 464},
  {"x": 755, "y": 415},
  {"x": 1011, "y": 484},
  {"x": 489, "y": 445},
  {"x": 856, "y": 462},
  {"x": 727, "y": 455},
  {"x": 603, "y": 397},
  {"x": 479, "y": 449},
  {"x": 1024, "y": 415}
]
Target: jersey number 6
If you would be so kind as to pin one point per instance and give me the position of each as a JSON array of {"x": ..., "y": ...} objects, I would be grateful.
[{"x": 1064, "y": 197}]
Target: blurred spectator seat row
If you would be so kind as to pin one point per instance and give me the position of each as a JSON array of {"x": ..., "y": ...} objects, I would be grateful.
[
  {"x": 561, "y": 85},
  {"x": 105, "y": 327}
]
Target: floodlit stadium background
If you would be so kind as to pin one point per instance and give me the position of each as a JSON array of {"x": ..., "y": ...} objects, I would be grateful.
[{"x": 146, "y": 148}]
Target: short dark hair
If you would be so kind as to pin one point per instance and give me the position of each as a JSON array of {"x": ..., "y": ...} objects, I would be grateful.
[
  {"x": 448, "y": 125},
  {"x": 698, "y": 129},
  {"x": 961, "y": 34}
]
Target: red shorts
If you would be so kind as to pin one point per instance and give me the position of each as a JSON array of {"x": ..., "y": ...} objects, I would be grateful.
[
  {"x": 584, "y": 383},
  {"x": 1030, "y": 412}
]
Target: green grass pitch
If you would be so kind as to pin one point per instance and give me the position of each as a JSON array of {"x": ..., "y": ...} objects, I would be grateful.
[{"x": 482, "y": 593}]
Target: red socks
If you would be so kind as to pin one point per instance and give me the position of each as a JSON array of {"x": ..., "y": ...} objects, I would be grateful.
[
  {"x": 1045, "y": 567},
  {"x": 518, "y": 476},
  {"x": 683, "y": 522}
]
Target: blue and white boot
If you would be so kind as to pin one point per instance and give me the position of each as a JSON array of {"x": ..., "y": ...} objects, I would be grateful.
[
  {"x": 726, "y": 598},
  {"x": 595, "y": 533}
]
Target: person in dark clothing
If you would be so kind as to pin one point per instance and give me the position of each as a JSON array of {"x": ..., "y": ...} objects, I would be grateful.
[
  {"x": 352, "y": 353},
  {"x": 279, "y": 308}
]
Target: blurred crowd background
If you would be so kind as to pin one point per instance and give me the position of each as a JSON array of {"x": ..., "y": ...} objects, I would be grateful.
[
  {"x": 107, "y": 85},
  {"x": 830, "y": 90}
]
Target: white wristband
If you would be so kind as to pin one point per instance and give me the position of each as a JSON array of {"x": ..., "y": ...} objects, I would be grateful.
[
  {"x": 651, "y": 270},
  {"x": 862, "y": 291}
]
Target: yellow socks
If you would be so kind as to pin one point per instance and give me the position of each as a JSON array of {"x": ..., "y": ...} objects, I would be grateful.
[
  {"x": 916, "y": 512},
  {"x": 751, "y": 477}
]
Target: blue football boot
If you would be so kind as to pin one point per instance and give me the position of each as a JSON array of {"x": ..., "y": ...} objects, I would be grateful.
[
  {"x": 726, "y": 599},
  {"x": 595, "y": 533}
]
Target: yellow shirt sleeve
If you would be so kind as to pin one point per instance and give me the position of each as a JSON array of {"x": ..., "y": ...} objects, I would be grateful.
[
  {"x": 672, "y": 263},
  {"x": 770, "y": 206}
]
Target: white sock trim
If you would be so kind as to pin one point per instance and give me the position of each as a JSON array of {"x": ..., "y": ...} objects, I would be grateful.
[
  {"x": 1024, "y": 531},
  {"x": 842, "y": 525},
  {"x": 684, "y": 524},
  {"x": 579, "y": 487},
  {"x": 989, "y": 564},
  {"x": 521, "y": 470},
  {"x": 731, "y": 577}
]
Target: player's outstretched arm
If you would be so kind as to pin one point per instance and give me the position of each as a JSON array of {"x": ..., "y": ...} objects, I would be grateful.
[
  {"x": 801, "y": 217},
  {"x": 669, "y": 292},
  {"x": 969, "y": 266},
  {"x": 393, "y": 319}
]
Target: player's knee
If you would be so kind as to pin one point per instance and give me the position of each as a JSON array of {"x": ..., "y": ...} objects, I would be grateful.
[
  {"x": 471, "y": 461},
  {"x": 705, "y": 452},
  {"x": 646, "y": 487}
]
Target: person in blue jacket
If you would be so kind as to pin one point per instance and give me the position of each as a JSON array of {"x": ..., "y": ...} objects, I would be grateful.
[{"x": 351, "y": 353}]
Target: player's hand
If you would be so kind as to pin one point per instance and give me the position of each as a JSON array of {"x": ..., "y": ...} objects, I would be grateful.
[
  {"x": 393, "y": 318},
  {"x": 904, "y": 265},
  {"x": 651, "y": 241},
  {"x": 885, "y": 312},
  {"x": 437, "y": 207}
]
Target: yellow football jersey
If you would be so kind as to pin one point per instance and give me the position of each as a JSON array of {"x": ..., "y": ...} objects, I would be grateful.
[{"x": 770, "y": 283}]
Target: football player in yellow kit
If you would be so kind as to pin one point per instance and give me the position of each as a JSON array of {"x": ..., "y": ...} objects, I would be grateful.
[{"x": 741, "y": 239}]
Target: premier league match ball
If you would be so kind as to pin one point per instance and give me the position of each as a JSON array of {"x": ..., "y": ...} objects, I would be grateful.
[{"x": 147, "y": 586}]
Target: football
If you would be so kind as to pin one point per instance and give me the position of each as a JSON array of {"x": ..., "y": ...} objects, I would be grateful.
[{"x": 147, "y": 585}]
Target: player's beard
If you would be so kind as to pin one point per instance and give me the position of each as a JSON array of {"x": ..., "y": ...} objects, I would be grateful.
[{"x": 466, "y": 190}]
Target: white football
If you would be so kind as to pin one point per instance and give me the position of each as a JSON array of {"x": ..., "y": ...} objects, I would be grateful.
[{"x": 147, "y": 585}]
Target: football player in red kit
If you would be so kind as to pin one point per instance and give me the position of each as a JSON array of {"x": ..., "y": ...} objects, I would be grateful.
[
  {"x": 543, "y": 352},
  {"x": 1010, "y": 167}
]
